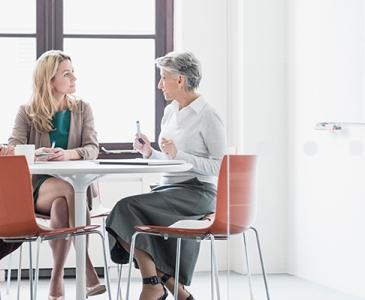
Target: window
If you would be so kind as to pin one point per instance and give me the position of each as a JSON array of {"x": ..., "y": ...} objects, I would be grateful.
[
  {"x": 113, "y": 47},
  {"x": 18, "y": 52}
]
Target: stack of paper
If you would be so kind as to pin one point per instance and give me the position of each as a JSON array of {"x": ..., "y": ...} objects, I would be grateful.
[{"x": 140, "y": 161}]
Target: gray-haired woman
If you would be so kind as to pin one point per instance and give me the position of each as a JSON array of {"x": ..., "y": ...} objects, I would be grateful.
[{"x": 192, "y": 131}]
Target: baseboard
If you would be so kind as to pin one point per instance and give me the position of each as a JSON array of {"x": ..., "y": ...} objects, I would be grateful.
[{"x": 46, "y": 273}]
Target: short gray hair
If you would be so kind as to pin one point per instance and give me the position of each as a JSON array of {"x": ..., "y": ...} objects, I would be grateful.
[{"x": 184, "y": 63}]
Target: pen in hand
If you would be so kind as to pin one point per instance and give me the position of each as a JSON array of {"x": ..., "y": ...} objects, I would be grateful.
[
  {"x": 139, "y": 133},
  {"x": 52, "y": 147}
]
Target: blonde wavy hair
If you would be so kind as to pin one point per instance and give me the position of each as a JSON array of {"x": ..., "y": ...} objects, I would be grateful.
[{"x": 43, "y": 105}]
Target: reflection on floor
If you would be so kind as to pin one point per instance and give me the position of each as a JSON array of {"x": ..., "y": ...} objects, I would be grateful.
[{"x": 282, "y": 287}]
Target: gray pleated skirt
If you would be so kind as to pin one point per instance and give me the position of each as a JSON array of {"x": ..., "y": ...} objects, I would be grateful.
[{"x": 164, "y": 205}]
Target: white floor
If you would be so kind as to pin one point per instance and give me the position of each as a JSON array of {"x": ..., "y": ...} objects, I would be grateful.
[{"x": 282, "y": 287}]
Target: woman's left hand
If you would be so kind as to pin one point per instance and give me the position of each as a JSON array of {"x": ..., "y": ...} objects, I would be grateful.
[
  {"x": 168, "y": 147},
  {"x": 61, "y": 154}
]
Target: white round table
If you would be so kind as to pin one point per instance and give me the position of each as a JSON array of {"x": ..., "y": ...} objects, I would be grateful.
[{"x": 81, "y": 174}]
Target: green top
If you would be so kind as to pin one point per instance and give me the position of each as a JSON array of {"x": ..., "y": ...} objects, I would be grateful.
[{"x": 61, "y": 125}]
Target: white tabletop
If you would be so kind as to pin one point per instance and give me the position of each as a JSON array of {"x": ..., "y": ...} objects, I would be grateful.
[{"x": 93, "y": 167}]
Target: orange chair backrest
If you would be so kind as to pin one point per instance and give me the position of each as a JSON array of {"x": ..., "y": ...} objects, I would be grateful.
[
  {"x": 236, "y": 182},
  {"x": 16, "y": 202}
]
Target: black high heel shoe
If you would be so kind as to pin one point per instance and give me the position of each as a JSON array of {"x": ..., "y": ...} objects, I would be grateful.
[
  {"x": 156, "y": 280},
  {"x": 165, "y": 277}
]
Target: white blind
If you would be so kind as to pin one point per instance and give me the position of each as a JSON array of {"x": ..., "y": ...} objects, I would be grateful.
[
  {"x": 109, "y": 16},
  {"x": 117, "y": 77},
  {"x": 16, "y": 61}
]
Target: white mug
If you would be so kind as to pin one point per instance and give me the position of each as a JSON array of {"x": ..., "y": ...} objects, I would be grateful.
[{"x": 27, "y": 150}]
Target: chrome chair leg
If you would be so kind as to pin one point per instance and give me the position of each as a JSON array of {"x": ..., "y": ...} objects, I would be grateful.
[
  {"x": 177, "y": 268},
  {"x": 105, "y": 265},
  {"x": 30, "y": 271},
  {"x": 37, "y": 268},
  {"x": 19, "y": 272},
  {"x": 104, "y": 236},
  {"x": 248, "y": 266},
  {"x": 262, "y": 262},
  {"x": 119, "y": 292},
  {"x": 216, "y": 275},
  {"x": 211, "y": 272},
  {"x": 131, "y": 254},
  {"x": 9, "y": 274}
]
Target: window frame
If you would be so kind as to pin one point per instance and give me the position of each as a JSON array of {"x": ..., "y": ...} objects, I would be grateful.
[{"x": 49, "y": 35}]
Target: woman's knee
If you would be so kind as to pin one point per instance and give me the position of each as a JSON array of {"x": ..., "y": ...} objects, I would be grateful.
[
  {"x": 55, "y": 187},
  {"x": 67, "y": 190},
  {"x": 125, "y": 204},
  {"x": 59, "y": 213}
]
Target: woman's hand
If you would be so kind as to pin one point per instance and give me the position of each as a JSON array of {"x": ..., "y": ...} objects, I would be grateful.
[
  {"x": 55, "y": 154},
  {"x": 143, "y": 148},
  {"x": 6, "y": 150},
  {"x": 168, "y": 147},
  {"x": 62, "y": 154},
  {"x": 44, "y": 153}
]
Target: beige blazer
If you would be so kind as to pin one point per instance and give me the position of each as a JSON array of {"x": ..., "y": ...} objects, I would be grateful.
[{"x": 82, "y": 135}]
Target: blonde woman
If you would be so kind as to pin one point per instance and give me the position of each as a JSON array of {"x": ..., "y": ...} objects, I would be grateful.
[{"x": 62, "y": 126}]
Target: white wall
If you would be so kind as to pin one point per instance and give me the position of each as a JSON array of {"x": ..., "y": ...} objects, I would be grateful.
[
  {"x": 252, "y": 103},
  {"x": 201, "y": 27},
  {"x": 246, "y": 58},
  {"x": 327, "y": 169},
  {"x": 203, "y": 31},
  {"x": 265, "y": 120}
]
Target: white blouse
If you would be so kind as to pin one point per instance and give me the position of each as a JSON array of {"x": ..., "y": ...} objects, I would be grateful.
[{"x": 199, "y": 136}]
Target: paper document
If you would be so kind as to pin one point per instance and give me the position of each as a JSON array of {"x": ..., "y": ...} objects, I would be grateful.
[
  {"x": 192, "y": 224},
  {"x": 118, "y": 151},
  {"x": 140, "y": 161}
]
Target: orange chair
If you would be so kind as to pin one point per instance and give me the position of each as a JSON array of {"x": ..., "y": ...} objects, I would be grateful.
[
  {"x": 235, "y": 190},
  {"x": 17, "y": 218}
]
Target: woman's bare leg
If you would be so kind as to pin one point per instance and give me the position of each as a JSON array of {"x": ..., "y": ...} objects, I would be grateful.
[
  {"x": 49, "y": 193},
  {"x": 147, "y": 268},
  {"x": 57, "y": 209},
  {"x": 92, "y": 278}
]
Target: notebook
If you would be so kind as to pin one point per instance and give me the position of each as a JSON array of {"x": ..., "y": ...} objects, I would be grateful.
[{"x": 140, "y": 161}]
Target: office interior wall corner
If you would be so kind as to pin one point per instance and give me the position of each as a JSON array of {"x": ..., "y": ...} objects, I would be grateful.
[
  {"x": 235, "y": 82},
  {"x": 244, "y": 78},
  {"x": 200, "y": 27},
  {"x": 235, "y": 104},
  {"x": 291, "y": 136},
  {"x": 265, "y": 122}
]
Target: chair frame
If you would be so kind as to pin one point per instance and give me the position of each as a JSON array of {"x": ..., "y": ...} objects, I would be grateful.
[
  {"x": 10, "y": 256},
  {"x": 39, "y": 239},
  {"x": 218, "y": 229},
  {"x": 100, "y": 211},
  {"x": 28, "y": 230},
  {"x": 8, "y": 279},
  {"x": 214, "y": 265}
]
